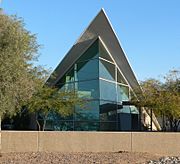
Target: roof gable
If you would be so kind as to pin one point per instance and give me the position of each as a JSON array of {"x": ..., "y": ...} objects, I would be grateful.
[{"x": 99, "y": 27}]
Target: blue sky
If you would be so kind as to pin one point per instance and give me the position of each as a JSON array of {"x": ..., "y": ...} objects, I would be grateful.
[{"x": 149, "y": 30}]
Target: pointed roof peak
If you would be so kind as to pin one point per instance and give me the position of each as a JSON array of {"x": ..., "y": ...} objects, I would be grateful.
[
  {"x": 102, "y": 10},
  {"x": 100, "y": 17},
  {"x": 101, "y": 27}
]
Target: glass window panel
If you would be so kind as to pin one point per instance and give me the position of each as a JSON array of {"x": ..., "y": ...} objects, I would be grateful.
[
  {"x": 108, "y": 126},
  {"x": 119, "y": 105},
  {"x": 88, "y": 111},
  {"x": 86, "y": 126},
  {"x": 88, "y": 89},
  {"x": 134, "y": 110},
  {"x": 108, "y": 111},
  {"x": 120, "y": 78},
  {"x": 48, "y": 126},
  {"x": 108, "y": 91},
  {"x": 124, "y": 122},
  {"x": 56, "y": 116},
  {"x": 87, "y": 70},
  {"x": 125, "y": 109},
  {"x": 70, "y": 76},
  {"x": 103, "y": 53},
  {"x": 63, "y": 125},
  {"x": 66, "y": 87},
  {"x": 57, "y": 125},
  {"x": 91, "y": 52},
  {"x": 53, "y": 116},
  {"x": 106, "y": 70},
  {"x": 122, "y": 92}
]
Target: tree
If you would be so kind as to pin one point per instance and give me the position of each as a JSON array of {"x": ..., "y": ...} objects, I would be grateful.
[
  {"x": 163, "y": 98},
  {"x": 18, "y": 77},
  {"x": 146, "y": 97},
  {"x": 169, "y": 100},
  {"x": 49, "y": 99}
]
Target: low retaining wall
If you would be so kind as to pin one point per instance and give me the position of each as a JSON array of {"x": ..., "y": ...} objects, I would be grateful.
[
  {"x": 15, "y": 141},
  {"x": 158, "y": 143},
  {"x": 29, "y": 141}
]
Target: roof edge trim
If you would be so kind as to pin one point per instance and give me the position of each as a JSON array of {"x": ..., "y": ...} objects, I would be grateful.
[{"x": 120, "y": 44}]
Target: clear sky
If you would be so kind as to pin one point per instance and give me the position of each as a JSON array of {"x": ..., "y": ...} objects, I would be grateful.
[{"x": 149, "y": 30}]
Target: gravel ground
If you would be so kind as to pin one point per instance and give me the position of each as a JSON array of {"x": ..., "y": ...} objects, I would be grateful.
[
  {"x": 165, "y": 160},
  {"x": 77, "y": 158}
]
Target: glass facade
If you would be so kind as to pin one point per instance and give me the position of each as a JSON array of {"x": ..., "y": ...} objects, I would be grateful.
[
  {"x": 106, "y": 70},
  {"x": 97, "y": 80},
  {"x": 107, "y": 90},
  {"x": 87, "y": 70}
]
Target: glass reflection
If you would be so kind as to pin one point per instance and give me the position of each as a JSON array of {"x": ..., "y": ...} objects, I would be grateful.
[
  {"x": 88, "y": 89},
  {"x": 103, "y": 53},
  {"x": 66, "y": 87},
  {"x": 134, "y": 110},
  {"x": 70, "y": 76},
  {"x": 106, "y": 70},
  {"x": 120, "y": 78},
  {"x": 63, "y": 125},
  {"x": 87, "y": 70},
  {"x": 89, "y": 111},
  {"x": 108, "y": 111},
  {"x": 86, "y": 126},
  {"x": 108, "y": 91},
  {"x": 122, "y": 92}
]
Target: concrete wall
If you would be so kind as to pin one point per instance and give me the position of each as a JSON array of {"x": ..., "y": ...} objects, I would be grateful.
[
  {"x": 12, "y": 141},
  {"x": 84, "y": 141},
  {"x": 156, "y": 143}
]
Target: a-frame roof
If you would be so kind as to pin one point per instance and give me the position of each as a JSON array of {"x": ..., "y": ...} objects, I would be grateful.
[{"x": 99, "y": 27}]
